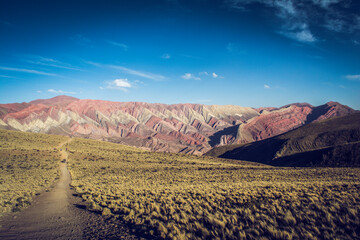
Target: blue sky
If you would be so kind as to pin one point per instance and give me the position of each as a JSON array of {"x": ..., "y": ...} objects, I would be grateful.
[{"x": 241, "y": 52}]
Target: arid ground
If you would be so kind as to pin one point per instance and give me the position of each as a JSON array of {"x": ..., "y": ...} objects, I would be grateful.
[{"x": 57, "y": 213}]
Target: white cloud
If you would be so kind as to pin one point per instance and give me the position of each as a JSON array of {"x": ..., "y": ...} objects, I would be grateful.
[
  {"x": 60, "y": 91},
  {"x": 189, "y": 76},
  {"x": 266, "y": 86},
  {"x": 353, "y": 77},
  {"x": 213, "y": 75},
  {"x": 303, "y": 36},
  {"x": 38, "y": 91},
  {"x": 117, "y": 44},
  {"x": 166, "y": 56},
  {"x": 28, "y": 71},
  {"x": 120, "y": 84}
]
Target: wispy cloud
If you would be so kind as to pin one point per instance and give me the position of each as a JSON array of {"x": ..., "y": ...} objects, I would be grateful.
[
  {"x": 300, "y": 18},
  {"x": 213, "y": 75},
  {"x": 303, "y": 35},
  {"x": 336, "y": 25},
  {"x": 60, "y": 91},
  {"x": 152, "y": 76},
  {"x": 94, "y": 63},
  {"x": 325, "y": 3},
  {"x": 293, "y": 14},
  {"x": 143, "y": 74},
  {"x": 5, "y": 76},
  {"x": 117, "y": 44},
  {"x": 50, "y": 62},
  {"x": 353, "y": 77},
  {"x": 166, "y": 56},
  {"x": 189, "y": 76},
  {"x": 81, "y": 40},
  {"x": 28, "y": 71},
  {"x": 266, "y": 86},
  {"x": 120, "y": 84}
]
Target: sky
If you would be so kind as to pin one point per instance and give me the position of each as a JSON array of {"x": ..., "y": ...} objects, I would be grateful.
[{"x": 241, "y": 52}]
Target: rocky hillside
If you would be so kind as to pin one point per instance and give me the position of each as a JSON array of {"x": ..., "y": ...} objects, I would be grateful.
[
  {"x": 186, "y": 128},
  {"x": 332, "y": 143}
]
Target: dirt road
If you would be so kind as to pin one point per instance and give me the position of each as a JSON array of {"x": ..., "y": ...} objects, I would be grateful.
[{"x": 59, "y": 214}]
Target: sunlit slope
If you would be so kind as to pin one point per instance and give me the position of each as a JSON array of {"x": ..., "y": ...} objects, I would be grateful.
[
  {"x": 187, "y": 197},
  {"x": 28, "y": 164},
  {"x": 333, "y": 142}
]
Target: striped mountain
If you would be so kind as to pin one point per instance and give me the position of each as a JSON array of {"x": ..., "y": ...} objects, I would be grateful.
[{"x": 184, "y": 128}]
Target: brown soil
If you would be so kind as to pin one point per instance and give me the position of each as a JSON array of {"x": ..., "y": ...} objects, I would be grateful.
[{"x": 58, "y": 214}]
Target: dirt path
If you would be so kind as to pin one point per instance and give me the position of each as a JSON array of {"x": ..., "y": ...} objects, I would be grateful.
[{"x": 59, "y": 214}]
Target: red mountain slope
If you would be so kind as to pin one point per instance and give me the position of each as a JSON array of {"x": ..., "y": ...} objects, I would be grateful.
[{"x": 187, "y": 128}]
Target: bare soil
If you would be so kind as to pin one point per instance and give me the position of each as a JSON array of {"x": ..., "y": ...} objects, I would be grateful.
[{"x": 58, "y": 213}]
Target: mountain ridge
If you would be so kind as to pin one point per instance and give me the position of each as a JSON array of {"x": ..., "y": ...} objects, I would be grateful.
[{"x": 186, "y": 128}]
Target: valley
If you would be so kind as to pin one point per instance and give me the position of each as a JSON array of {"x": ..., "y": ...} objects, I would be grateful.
[
  {"x": 179, "y": 120},
  {"x": 126, "y": 192}
]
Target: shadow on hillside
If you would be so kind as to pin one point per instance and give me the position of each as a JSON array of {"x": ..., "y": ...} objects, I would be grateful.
[
  {"x": 215, "y": 138},
  {"x": 316, "y": 113},
  {"x": 262, "y": 151}
]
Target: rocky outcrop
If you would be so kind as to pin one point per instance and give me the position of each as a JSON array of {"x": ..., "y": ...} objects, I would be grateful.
[{"x": 185, "y": 128}]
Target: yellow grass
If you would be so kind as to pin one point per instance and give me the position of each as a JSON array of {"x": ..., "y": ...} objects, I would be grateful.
[
  {"x": 28, "y": 164},
  {"x": 186, "y": 197}
]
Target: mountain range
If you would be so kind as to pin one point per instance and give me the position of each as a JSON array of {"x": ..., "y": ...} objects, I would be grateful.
[{"x": 182, "y": 128}]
